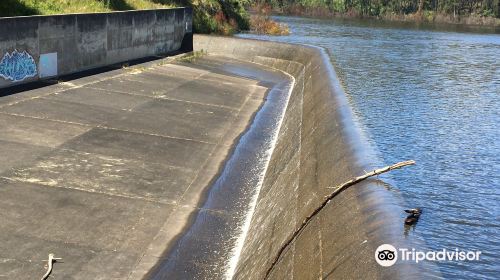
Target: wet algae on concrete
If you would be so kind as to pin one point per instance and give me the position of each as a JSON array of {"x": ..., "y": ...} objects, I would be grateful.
[{"x": 193, "y": 171}]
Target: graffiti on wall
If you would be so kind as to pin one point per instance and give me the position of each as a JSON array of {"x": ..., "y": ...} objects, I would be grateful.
[{"x": 17, "y": 66}]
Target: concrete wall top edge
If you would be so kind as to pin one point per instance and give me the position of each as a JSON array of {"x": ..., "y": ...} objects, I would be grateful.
[
  {"x": 96, "y": 13},
  {"x": 41, "y": 47}
]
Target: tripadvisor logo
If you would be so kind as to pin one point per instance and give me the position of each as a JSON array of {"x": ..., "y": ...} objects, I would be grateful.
[{"x": 387, "y": 255}]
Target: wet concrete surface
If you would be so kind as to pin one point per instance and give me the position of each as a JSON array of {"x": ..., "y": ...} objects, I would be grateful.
[
  {"x": 317, "y": 146},
  {"x": 105, "y": 171},
  {"x": 207, "y": 249}
]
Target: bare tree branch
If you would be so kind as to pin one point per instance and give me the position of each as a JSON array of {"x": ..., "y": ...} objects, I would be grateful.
[
  {"x": 50, "y": 262},
  {"x": 327, "y": 200}
]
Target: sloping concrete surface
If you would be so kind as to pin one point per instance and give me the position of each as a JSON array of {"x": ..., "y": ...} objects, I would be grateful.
[
  {"x": 318, "y": 146},
  {"x": 105, "y": 171},
  {"x": 206, "y": 249}
]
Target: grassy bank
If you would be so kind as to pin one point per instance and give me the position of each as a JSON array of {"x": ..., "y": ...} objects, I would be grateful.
[
  {"x": 210, "y": 16},
  {"x": 469, "y": 12}
]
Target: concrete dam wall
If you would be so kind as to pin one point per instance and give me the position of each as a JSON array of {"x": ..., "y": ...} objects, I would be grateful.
[
  {"x": 39, "y": 47},
  {"x": 131, "y": 166},
  {"x": 318, "y": 147}
]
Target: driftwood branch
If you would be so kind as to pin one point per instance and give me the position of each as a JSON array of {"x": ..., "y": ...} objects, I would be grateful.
[
  {"x": 50, "y": 262},
  {"x": 327, "y": 200}
]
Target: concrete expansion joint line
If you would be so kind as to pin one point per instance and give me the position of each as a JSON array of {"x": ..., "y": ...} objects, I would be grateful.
[
  {"x": 71, "y": 87},
  {"x": 109, "y": 157},
  {"x": 198, "y": 103},
  {"x": 41, "y": 184},
  {"x": 45, "y": 119},
  {"x": 110, "y": 128},
  {"x": 154, "y": 134},
  {"x": 164, "y": 97},
  {"x": 29, "y": 99}
]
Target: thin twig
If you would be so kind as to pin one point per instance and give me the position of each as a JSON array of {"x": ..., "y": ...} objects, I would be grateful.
[
  {"x": 328, "y": 198},
  {"x": 50, "y": 261}
]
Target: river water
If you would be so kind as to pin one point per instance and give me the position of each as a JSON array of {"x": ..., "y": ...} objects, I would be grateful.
[{"x": 431, "y": 95}]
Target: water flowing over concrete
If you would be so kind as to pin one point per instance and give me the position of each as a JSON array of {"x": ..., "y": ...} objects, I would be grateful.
[
  {"x": 193, "y": 170},
  {"x": 318, "y": 146}
]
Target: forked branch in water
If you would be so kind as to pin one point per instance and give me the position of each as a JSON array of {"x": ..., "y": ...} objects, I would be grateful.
[{"x": 328, "y": 198}]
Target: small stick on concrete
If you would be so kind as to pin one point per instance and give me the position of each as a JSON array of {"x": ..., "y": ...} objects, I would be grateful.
[
  {"x": 50, "y": 261},
  {"x": 327, "y": 200}
]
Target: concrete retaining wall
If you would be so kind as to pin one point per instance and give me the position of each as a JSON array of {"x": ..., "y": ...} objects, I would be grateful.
[
  {"x": 318, "y": 147},
  {"x": 38, "y": 47}
]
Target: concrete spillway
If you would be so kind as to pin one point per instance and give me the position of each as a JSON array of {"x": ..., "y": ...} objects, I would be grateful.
[
  {"x": 192, "y": 170},
  {"x": 270, "y": 184}
]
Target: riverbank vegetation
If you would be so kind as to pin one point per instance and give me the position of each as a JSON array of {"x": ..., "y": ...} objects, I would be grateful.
[
  {"x": 477, "y": 12},
  {"x": 210, "y": 16},
  {"x": 261, "y": 22}
]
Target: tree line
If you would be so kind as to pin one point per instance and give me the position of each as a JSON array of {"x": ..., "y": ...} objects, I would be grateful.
[{"x": 483, "y": 8}]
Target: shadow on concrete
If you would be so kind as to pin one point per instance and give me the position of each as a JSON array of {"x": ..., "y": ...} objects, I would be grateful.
[
  {"x": 43, "y": 83},
  {"x": 11, "y": 8}
]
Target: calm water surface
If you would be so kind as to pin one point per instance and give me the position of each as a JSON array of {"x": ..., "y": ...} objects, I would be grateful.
[{"x": 432, "y": 96}]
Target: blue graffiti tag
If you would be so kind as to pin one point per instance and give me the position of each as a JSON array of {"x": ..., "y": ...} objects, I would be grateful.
[{"x": 17, "y": 66}]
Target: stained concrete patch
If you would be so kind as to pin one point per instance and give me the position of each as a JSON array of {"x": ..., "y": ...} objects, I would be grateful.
[
  {"x": 36, "y": 131},
  {"x": 109, "y": 175},
  {"x": 151, "y": 82},
  {"x": 161, "y": 81},
  {"x": 142, "y": 147},
  {"x": 81, "y": 227},
  {"x": 101, "y": 98},
  {"x": 28, "y": 261},
  {"x": 14, "y": 154},
  {"x": 71, "y": 216},
  {"x": 209, "y": 92},
  {"x": 229, "y": 81},
  {"x": 62, "y": 111},
  {"x": 29, "y": 94},
  {"x": 125, "y": 86},
  {"x": 178, "y": 119},
  {"x": 190, "y": 71}
]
